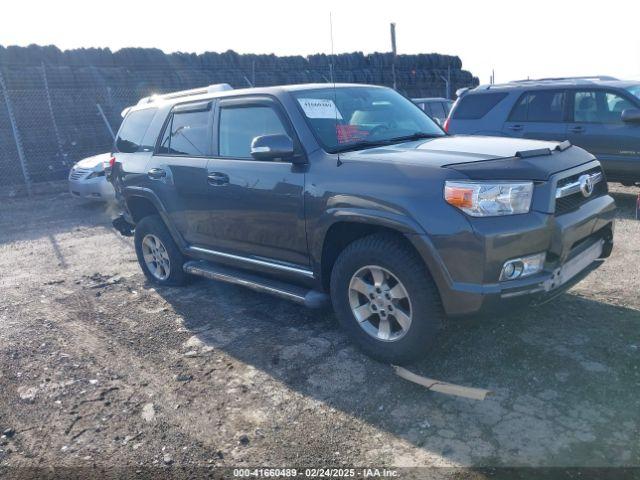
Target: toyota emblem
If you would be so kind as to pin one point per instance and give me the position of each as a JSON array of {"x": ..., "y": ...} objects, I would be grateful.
[{"x": 586, "y": 185}]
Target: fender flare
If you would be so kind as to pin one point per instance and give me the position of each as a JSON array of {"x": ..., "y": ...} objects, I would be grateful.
[
  {"x": 150, "y": 195},
  {"x": 373, "y": 217}
]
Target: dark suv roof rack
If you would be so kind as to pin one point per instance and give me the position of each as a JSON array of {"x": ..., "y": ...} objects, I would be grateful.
[
  {"x": 218, "y": 87},
  {"x": 555, "y": 79}
]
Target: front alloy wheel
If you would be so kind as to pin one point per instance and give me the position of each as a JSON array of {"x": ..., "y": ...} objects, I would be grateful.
[
  {"x": 380, "y": 303},
  {"x": 385, "y": 298}
]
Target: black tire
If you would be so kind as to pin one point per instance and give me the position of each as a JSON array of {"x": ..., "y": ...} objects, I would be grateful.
[
  {"x": 154, "y": 225},
  {"x": 392, "y": 254}
]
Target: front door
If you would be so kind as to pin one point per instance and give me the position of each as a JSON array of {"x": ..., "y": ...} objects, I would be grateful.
[
  {"x": 597, "y": 127},
  {"x": 255, "y": 206}
]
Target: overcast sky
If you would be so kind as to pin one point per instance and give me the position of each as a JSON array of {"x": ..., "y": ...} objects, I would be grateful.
[{"x": 518, "y": 39}]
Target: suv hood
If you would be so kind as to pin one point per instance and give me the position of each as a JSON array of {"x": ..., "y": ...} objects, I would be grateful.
[{"x": 481, "y": 158}]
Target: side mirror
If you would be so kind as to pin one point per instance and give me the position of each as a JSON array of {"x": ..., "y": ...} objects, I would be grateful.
[
  {"x": 631, "y": 115},
  {"x": 270, "y": 147}
]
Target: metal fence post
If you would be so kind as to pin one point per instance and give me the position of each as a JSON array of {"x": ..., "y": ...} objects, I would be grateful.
[
  {"x": 106, "y": 122},
  {"x": 16, "y": 136},
  {"x": 53, "y": 117}
]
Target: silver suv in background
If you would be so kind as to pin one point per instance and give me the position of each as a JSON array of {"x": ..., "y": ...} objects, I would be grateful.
[{"x": 437, "y": 108}]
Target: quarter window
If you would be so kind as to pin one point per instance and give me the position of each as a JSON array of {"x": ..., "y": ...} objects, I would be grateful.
[
  {"x": 132, "y": 131},
  {"x": 437, "y": 110},
  {"x": 472, "y": 107},
  {"x": 597, "y": 106},
  {"x": 187, "y": 134},
  {"x": 240, "y": 125},
  {"x": 539, "y": 106}
]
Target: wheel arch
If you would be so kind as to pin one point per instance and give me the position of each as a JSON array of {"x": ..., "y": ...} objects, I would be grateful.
[
  {"x": 142, "y": 202},
  {"x": 339, "y": 229}
]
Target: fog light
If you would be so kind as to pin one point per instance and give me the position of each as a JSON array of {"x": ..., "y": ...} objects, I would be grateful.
[{"x": 522, "y": 267}]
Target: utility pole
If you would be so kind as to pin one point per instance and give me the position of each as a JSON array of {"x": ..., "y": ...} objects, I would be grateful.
[{"x": 394, "y": 52}]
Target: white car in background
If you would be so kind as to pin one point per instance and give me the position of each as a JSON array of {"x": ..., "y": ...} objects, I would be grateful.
[{"x": 87, "y": 179}]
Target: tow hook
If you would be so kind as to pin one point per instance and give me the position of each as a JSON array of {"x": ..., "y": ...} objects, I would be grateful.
[{"x": 124, "y": 227}]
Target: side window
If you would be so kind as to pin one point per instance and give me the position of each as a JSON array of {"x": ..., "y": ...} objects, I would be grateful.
[
  {"x": 240, "y": 125},
  {"x": 132, "y": 131},
  {"x": 596, "y": 106},
  {"x": 539, "y": 106},
  {"x": 187, "y": 133},
  {"x": 519, "y": 112},
  {"x": 473, "y": 107},
  {"x": 437, "y": 110}
]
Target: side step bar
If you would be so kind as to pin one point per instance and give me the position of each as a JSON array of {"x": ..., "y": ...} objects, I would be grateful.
[{"x": 294, "y": 293}]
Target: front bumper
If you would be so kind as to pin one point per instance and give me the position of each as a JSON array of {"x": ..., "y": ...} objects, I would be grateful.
[
  {"x": 95, "y": 189},
  {"x": 575, "y": 244}
]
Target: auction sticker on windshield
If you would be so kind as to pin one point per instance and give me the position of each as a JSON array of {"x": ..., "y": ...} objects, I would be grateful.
[{"x": 319, "y": 108}]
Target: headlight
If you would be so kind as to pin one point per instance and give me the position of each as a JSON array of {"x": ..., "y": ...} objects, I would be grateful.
[
  {"x": 96, "y": 174},
  {"x": 489, "y": 199}
]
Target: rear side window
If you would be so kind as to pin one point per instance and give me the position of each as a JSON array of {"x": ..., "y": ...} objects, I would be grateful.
[
  {"x": 437, "y": 110},
  {"x": 188, "y": 134},
  {"x": 132, "y": 131},
  {"x": 472, "y": 107},
  {"x": 240, "y": 125},
  {"x": 539, "y": 106}
]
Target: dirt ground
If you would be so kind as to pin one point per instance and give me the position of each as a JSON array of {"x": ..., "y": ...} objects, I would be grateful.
[{"x": 100, "y": 369}]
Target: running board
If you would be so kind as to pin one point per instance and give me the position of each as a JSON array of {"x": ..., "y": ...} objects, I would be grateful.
[{"x": 294, "y": 293}]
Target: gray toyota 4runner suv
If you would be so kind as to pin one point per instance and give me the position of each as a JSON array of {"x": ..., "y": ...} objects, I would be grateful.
[{"x": 352, "y": 196}]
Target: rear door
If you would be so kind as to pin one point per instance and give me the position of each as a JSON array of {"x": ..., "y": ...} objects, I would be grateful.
[
  {"x": 538, "y": 114},
  {"x": 256, "y": 206},
  {"x": 596, "y": 126},
  {"x": 177, "y": 171}
]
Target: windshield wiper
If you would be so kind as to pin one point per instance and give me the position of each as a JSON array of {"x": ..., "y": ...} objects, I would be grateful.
[
  {"x": 360, "y": 145},
  {"x": 388, "y": 141},
  {"x": 413, "y": 136}
]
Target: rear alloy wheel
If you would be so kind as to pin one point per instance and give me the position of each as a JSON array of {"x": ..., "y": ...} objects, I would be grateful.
[
  {"x": 385, "y": 298},
  {"x": 158, "y": 255}
]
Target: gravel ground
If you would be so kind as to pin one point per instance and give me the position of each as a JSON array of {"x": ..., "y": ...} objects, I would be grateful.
[{"x": 101, "y": 369}]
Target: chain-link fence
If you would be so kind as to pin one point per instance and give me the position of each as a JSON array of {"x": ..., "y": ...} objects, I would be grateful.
[
  {"x": 44, "y": 131},
  {"x": 52, "y": 115}
]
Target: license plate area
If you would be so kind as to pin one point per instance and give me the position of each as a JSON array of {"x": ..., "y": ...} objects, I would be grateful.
[{"x": 574, "y": 266}]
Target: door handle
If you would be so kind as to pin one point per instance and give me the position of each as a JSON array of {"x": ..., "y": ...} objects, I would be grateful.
[
  {"x": 217, "y": 179},
  {"x": 156, "y": 174},
  {"x": 576, "y": 129},
  {"x": 515, "y": 128}
]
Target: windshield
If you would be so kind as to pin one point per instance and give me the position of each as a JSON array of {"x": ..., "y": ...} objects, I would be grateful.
[
  {"x": 635, "y": 91},
  {"x": 349, "y": 118}
]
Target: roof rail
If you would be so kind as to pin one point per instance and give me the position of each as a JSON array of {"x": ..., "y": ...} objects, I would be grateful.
[
  {"x": 218, "y": 87},
  {"x": 555, "y": 79}
]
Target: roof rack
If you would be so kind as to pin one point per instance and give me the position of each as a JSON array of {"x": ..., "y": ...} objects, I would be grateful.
[
  {"x": 533, "y": 81},
  {"x": 555, "y": 79},
  {"x": 218, "y": 87}
]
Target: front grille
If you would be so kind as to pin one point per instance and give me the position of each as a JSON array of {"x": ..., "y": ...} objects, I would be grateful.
[
  {"x": 575, "y": 200},
  {"x": 78, "y": 173}
]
